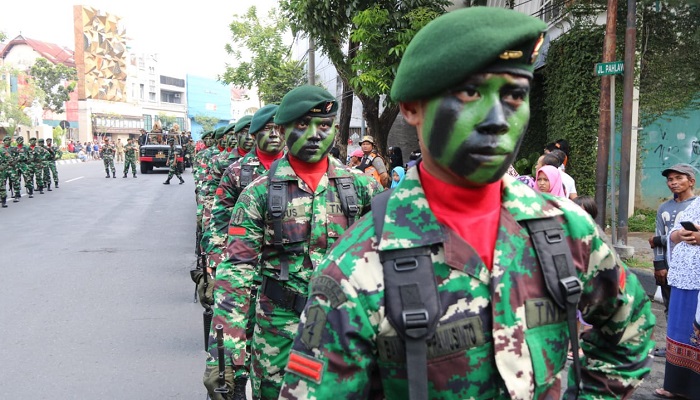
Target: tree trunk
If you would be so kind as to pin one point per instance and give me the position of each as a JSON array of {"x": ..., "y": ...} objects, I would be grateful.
[
  {"x": 378, "y": 126},
  {"x": 346, "y": 100}
]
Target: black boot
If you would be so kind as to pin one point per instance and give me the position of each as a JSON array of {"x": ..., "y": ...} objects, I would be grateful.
[
  {"x": 31, "y": 193},
  {"x": 239, "y": 384},
  {"x": 181, "y": 180},
  {"x": 48, "y": 187},
  {"x": 56, "y": 185},
  {"x": 41, "y": 190},
  {"x": 134, "y": 175},
  {"x": 114, "y": 174},
  {"x": 167, "y": 182},
  {"x": 124, "y": 175},
  {"x": 4, "y": 202},
  {"x": 107, "y": 171},
  {"x": 16, "y": 198}
]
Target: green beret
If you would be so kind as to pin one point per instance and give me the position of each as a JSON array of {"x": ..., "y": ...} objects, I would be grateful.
[
  {"x": 41, "y": 140},
  {"x": 207, "y": 134},
  {"x": 242, "y": 123},
  {"x": 304, "y": 100},
  {"x": 229, "y": 127},
  {"x": 464, "y": 42},
  {"x": 262, "y": 117},
  {"x": 219, "y": 132}
]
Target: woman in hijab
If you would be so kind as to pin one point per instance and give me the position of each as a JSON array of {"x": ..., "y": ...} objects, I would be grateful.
[
  {"x": 397, "y": 175},
  {"x": 549, "y": 181}
]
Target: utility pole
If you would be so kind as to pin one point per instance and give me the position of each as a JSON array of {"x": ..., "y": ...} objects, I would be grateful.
[
  {"x": 626, "y": 143},
  {"x": 312, "y": 61},
  {"x": 604, "y": 129}
]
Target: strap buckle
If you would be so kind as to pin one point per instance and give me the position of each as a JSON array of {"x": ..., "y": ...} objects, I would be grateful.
[
  {"x": 415, "y": 322},
  {"x": 572, "y": 287}
]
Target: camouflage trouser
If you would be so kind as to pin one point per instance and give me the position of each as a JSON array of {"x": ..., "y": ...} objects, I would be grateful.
[
  {"x": 130, "y": 161},
  {"x": 38, "y": 171},
  {"x": 275, "y": 328},
  {"x": 13, "y": 176},
  {"x": 174, "y": 170},
  {"x": 49, "y": 170},
  {"x": 22, "y": 172},
  {"x": 5, "y": 179},
  {"x": 108, "y": 161}
]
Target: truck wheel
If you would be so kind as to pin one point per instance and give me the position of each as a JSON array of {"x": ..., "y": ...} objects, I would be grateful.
[{"x": 145, "y": 168}]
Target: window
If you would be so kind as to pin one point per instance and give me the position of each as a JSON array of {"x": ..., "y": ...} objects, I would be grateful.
[
  {"x": 151, "y": 96},
  {"x": 142, "y": 91},
  {"x": 551, "y": 10},
  {"x": 147, "y": 122}
]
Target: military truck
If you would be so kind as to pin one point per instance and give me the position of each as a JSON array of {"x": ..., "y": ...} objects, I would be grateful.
[{"x": 154, "y": 150}]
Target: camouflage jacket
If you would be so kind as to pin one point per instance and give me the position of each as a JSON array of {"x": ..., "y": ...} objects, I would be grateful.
[
  {"x": 47, "y": 155},
  {"x": 492, "y": 339},
  {"x": 37, "y": 154},
  {"x": 312, "y": 223},
  {"x": 173, "y": 154},
  {"x": 54, "y": 153},
  {"x": 130, "y": 151},
  {"x": 21, "y": 154},
  {"x": 201, "y": 175},
  {"x": 107, "y": 151},
  {"x": 6, "y": 158},
  {"x": 198, "y": 165},
  {"x": 225, "y": 198},
  {"x": 220, "y": 160}
]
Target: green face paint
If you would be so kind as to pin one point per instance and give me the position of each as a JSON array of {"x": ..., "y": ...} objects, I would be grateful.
[
  {"x": 7, "y": 140},
  {"x": 231, "y": 141},
  {"x": 476, "y": 129},
  {"x": 245, "y": 140},
  {"x": 209, "y": 141},
  {"x": 310, "y": 139},
  {"x": 20, "y": 140},
  {"x": 269, "y": 139}
]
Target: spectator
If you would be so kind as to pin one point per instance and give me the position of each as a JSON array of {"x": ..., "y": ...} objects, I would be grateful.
[
  {"x": 373, "y": 161},
  {"x": 335, "y": 152},
  {"x": 588, "y": 205},
  {"x": 120, "y": 150},
  {"x": 680, "y": 180},
  {"x": 395, "y": 157},
  {"x": 413, "y": 158},
  {"x": 555, "y": 159},
  {"x": 82, "y": 156},
  {"x": 96, "y": 151},
  {"x": 549, "y": 181},
  {"x": 355, "y": 158},
  {"x": 682, "y": 375},
  {"x": 397, "y": 175}
]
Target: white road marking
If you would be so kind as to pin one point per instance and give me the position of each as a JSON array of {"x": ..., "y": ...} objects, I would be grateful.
[{"x": 74, "y": 179}]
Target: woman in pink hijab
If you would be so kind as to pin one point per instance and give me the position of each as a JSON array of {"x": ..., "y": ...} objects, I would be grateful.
[{"x": 549, "y": 181}]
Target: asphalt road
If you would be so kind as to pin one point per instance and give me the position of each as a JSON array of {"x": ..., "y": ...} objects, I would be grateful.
[{"x": 96, "y": 299}]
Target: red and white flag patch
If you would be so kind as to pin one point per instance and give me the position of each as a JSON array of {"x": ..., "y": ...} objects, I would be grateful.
[
  {"x": 305, "y": 366},
  {"x": 236, "y": 231}
]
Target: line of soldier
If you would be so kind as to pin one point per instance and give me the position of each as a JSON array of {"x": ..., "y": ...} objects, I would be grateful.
[
  {"x": 35, "y": 164},
  {"x": 107, "y": 152},
  {"x": 461, "y": 282}
]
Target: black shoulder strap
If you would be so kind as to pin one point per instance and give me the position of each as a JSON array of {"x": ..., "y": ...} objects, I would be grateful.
[
  {"x": 276, "y": 207},
  {"x": 246, "y": 175},
  {"x": 411, "y": 300},
  {"x": 348, "y": 197},
  {"x": 560, "y": 276}
]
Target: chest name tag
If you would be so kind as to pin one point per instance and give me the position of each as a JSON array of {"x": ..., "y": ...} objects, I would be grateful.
[
  {"x": 449, "y": 338},
  {"x": 542, "y": 311}
]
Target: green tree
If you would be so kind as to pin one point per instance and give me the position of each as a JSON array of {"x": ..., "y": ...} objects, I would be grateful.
[
  {"x": 207, "y": 122},
  {"x": 56, "y": 81},
  {"x": 57, "y": 135},
  {"x": 166, "y": 121},
  {"x": 11, "y": 107},
  {"x": 669, "y": 56},
  {"x": 364, "y": 40},
  {"x": 269, "y": 67}
]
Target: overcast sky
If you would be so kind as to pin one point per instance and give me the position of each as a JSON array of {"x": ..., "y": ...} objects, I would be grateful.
[{"x": 188, "y": 36}]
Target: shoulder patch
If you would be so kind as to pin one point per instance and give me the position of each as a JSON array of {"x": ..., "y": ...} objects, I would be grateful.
[
  {"x": 329, "y": 288},
  {"x": 305, "y": 366},
  {"x": 313, "y": 327}
]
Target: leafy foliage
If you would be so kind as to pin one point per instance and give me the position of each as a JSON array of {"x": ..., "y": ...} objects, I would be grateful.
[
  {"x": 269, "y": 67},
  {"x": 669, "y": 48},
  {"x": 572, "y": 99},
  {"x": 56, "y": 81},
  {"x": 207, "y": 122},
  {"x": 166, "y": 121},
  {"x": 57, "y": 135},
  {"x": 364, "y": 40}
]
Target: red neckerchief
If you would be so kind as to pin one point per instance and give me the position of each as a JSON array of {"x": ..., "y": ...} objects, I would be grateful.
[
  {"x": 473, "y": 213},
  {"x": 266, "y": 159},
  {"x": 221, "y": 148},
  {"x": 310, "y": 173},
  {"x": 242, "y": 152}
]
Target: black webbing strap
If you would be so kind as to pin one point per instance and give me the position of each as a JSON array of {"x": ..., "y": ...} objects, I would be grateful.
[
  {"x": 276, "y": 207},
  {"x": 411, "y": 300},
  {"x": 348, "y": 198},
  {"x": 561, "y": 279},
  {"x": 246, "y": 175}
]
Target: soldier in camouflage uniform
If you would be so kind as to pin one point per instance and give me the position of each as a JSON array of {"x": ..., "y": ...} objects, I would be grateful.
[
  {"x": 36, "y": 156},
  {"x": 107, "y": 154},
  {"x": 50, "y": 165},
  {"x": 130, "y": 157},
  {"x": 269, "y": 147},
  {"x": 313, "y": 220},
  {"x": 173, "y": 154},
  {"x": 7, "y": 163},
  {"x": 198, "y": 169},
  {"x": 189, "y": 153},
  {"x": 235, "y": 150},
  {"x": 463, "y": 83},
  {"x": 20, "y": 171}
]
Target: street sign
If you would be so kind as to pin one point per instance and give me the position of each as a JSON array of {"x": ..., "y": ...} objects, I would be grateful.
[{"x": 611, "y": 68}]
